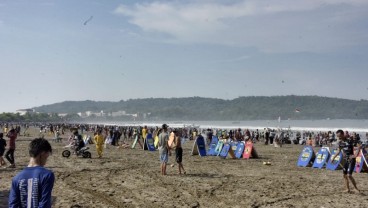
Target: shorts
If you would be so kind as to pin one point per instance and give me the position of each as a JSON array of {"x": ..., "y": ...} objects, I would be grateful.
[
  {"x": 349, "y": 166},
  {"x": 164, "y": 157},
  {"x": 179, "y": 155},
  {"x": 2, "y": 153}
]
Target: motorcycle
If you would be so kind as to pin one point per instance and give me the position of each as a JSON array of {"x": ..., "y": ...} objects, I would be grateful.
[{"x": 82, "y": 152}]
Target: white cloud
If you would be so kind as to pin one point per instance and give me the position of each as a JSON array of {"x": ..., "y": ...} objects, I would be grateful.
[{"x": 270, "y": 25}]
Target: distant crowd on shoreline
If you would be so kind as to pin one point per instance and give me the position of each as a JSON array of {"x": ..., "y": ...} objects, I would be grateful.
[{"x": 121, "y": 134}]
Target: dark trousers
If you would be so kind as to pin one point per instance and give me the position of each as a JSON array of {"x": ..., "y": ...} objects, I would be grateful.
[
  {"x": 9, "y": 155},
  {"x": 271, "y": 140},
  {"x": 267, "y": 137}
]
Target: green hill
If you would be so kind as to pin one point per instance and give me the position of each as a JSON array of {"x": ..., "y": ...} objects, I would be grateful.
[{"x": 242, "y": 108}]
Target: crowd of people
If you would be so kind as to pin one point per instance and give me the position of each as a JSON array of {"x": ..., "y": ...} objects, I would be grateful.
[
  {"x": 124, "y": 136},
  {"x": 120, "y": 135},
  {"x": 168, "y": 140}
]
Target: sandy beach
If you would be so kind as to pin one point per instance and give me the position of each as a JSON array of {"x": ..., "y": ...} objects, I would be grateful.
[{"x": 131, "y": 178}]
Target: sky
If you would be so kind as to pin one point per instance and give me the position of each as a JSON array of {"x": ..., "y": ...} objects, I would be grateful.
[{"x": 55, "y": 51}]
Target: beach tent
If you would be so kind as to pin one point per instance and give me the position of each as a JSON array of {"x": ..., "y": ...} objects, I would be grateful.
[
  {"x": 136, "y": 138},
  {"x": 321, "y": 158},
  {"x": 240, "y": 150},
  {"x": 334, "y": 165},
  {"x": 306, "y": 158},
  {"x": 149, "y": 143},
  {"x": 249, "y": 151},
  {"x": 212, "y": 146},
  {"x": 227, "y": 151},
  {"x": 199, "y": 146},
  {"x": 234, "y": 146},
  {"x": 218, "y": 148},
  {"x": 361, "y": 162}
]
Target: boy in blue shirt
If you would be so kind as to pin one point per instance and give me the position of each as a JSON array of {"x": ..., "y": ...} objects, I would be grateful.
[{"x": 33, "y": 186}]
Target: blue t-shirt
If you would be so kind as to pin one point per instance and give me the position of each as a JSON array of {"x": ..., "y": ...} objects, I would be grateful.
[{"x": 32, "y": 188}]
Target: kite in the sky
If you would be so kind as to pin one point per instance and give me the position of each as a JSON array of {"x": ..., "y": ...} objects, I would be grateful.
[
  {"x": 85, "y": 23},
  {"x": 297, "y": 110}
]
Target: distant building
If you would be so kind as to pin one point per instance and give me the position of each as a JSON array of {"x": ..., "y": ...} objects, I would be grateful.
[
  {"x": 23, "y": 112},
  {"x": 82, "y": 114},
  {"x": 91, "y": 113},
  {"x": 62, "y": 115},
  {"x": 118, "y": 113},
  {"x": 102, "y": 114}
]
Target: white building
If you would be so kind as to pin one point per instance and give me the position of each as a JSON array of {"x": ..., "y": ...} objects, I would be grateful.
[
  {"x": 23, "y": 112},
  {"x": 118, "y": 113},
  {"x": 62, "y": 114}
]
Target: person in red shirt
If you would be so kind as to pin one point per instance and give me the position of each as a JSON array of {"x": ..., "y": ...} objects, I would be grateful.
[{"x": 9, "y": 155}]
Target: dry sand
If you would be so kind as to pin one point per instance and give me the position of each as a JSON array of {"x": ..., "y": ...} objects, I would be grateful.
[{"x": 131, "y": 178}]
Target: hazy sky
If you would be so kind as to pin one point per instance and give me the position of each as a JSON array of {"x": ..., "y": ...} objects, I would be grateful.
[{"x": 50, "y": 52}]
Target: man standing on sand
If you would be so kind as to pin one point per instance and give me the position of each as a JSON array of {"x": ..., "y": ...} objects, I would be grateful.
[
  {"x": 163, "y": 148},
  {"x": 99, "y": 141},
  {"x": 178, "y": 152},
  {"x": 33, "y": 186},
  {"x": 346, "y": 145},
  {"x": 266, "y": 135},
  {"x": 9, "y": 155}
]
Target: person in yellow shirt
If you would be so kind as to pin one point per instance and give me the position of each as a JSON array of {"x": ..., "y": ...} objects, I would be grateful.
[
  {"x": 155, "y": 136},
  {"x": 99, "y": 141},
  {"x": 144, "y": 133}
]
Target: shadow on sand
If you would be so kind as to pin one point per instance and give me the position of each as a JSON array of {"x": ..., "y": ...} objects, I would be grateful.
[{"x": 4, "y": 195}]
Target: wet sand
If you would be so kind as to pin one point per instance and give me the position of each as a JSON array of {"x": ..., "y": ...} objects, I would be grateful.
[{"x": 131, "y": 178}]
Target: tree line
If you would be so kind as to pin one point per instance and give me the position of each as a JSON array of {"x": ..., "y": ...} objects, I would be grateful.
[{"x": 242, "y": 108}]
